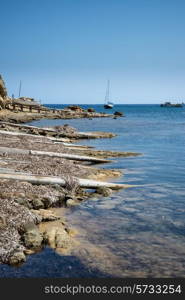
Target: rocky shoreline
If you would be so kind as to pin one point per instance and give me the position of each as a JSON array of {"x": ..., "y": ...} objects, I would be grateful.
[
  {"x": 27, "y": 221},
  {"x": 17, "y": 116}
]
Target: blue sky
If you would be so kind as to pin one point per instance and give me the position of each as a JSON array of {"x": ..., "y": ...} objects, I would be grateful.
[{"x": 65, "y": 50}]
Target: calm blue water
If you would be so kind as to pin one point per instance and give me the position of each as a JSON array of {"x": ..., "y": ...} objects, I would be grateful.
[{"x": 139, "y": 231}]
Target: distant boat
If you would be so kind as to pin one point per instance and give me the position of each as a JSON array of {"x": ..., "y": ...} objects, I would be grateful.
[
  {"x": 108, "y": 104},
  {"x": 169, "y": 104}
]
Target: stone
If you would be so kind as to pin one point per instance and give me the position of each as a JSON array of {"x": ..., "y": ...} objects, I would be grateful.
[
  {"x": 57, "y": 237},
  {"x": 47, "y": 202},
  {"x": 118, "y": 113},
  {"x": 17, "y": 257},
  {"x": 46, "y": 215},
  {"x": 94, "y": 196},
  {"x": 37, "y": 204},
  {"x": 91, "y": 109},
  {"x": 56, "y": 186},
  {"x": 61, "y": 199},
  {"x": 71, "y": 202},
  {"x": 62, "y": 239},
  {"x": 24, "y": 202},
  {"x": 69, "y": 196},
  {"x": 104, "y": 191},
  {"x": 49, "y": 236},
  {"x": 2, "y": 222},
  {"x": 32, "y": 236},
  {"x": 29, "y": 251}
]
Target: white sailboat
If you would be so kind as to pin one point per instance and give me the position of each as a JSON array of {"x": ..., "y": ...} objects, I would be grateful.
[{"x": 108, "y": 104}]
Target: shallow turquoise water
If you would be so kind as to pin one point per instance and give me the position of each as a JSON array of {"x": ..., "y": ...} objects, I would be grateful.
[{"x": 138, "y": 231}]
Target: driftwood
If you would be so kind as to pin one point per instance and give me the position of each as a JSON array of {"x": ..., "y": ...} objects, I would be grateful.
[
  {"x": 12, "y": 171},
  {"x": 28, "y": 126},
  {"x": 53, "y": 154},
  {"x": 55, "y": 140},
  {"x": 81, "y": 135},
  {"x": 34, "y": 136},
  {"x": 37, "y": 179}
]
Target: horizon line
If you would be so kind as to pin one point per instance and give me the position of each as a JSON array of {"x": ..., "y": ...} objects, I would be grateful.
[{"x": 72, "y": 103}]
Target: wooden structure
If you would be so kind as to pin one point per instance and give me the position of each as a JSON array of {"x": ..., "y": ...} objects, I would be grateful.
[{"x": 27, "y": 104}]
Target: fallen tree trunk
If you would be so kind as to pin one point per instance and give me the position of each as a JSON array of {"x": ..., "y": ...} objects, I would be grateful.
[
  {"x": 12, "y": 171},
  {"x": 28, "y": 126},
  {"x": 34, "y": 136},
  {"x": 37, "y": 179},
  {"x": 52, "y": 154}
]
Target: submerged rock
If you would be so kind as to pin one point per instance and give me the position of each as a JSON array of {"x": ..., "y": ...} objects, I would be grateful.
[
  {"x": 46, "y": 215},
  {"x": 32, "y": 236},
  {"x": 104, "y": 191},
  {"x": 57, "y": 237},
  {"x": 71, "y": 202},
  {"x": 62, "y": 239}
]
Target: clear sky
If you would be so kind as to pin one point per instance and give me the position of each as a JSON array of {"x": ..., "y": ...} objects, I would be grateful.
[{"x": 65, "y": 50}]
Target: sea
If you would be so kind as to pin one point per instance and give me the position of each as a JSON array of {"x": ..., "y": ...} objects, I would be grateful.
[{"x": 136, "y": 232}]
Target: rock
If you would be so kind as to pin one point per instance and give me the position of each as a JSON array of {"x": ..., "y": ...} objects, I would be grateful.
[
  {"x": 75, "y": 108},
  {"x": 118, "y": 113},
  {"x": 69, "y": 196},
  {"x": 46, "y": 215},
  {"x": 48, "y": 201},
  {"x": 104, "y": 191},
  {"x": 62, "y": 239},
  {"x": 37, "y": 204},
  {"x": 49, "y": 236},
  {"x": 57, "y": 237},
  {"x": 34, "y": 131},
  {"x": 32, "y": 236},
  {"x": 61, "y": 199},
  {"x": 29, "y": 251},
  {"x": 94, "y": 196},
  {"x": 17, "y": 257},
  {"x": 56, "y": 186},
  {"x": 24, "y": 202},
  {"x": 91, "y": 109},
  {"x": 71, "y": 232},
  {"x": 71, "y": 202},
  {"x": 2, "y": 222}
]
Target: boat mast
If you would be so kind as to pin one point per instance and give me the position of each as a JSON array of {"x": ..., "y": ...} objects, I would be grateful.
[
  {"x": 107, "y": 91},
  {"x": 20, "y": 86}
]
